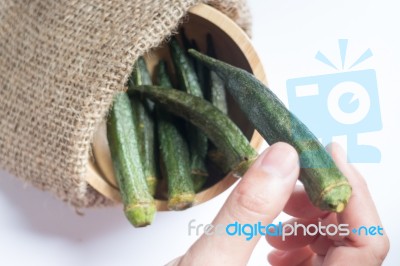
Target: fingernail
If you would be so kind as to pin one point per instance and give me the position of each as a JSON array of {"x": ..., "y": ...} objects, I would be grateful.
[{"x": 280, "y": 160}]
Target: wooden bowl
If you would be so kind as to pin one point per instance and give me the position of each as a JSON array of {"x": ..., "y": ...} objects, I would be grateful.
[{"x": 233, "y": 46}]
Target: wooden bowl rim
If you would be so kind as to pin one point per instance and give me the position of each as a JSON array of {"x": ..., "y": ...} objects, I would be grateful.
[{"x": 240, "y": 38}]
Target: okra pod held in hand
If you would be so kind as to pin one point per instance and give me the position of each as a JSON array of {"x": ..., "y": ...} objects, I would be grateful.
[
  {"x": 325, "y": 185},
  {"x": 139, "y": 205}
]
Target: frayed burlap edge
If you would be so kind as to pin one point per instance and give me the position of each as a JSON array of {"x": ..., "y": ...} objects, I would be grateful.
[{"x": 61, "y": 63}]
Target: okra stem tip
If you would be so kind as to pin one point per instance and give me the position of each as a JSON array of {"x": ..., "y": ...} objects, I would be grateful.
[
  {"x": 181, "y": 201},
  {"x": 243, "y": 166},
  {"x": 140, "y": 214},
  {"x": 151, "y": 184},
  {"x": 335, "y": 198}
]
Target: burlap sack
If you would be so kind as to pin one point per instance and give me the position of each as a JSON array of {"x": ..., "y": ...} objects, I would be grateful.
[{"x": 61, "y": 62}]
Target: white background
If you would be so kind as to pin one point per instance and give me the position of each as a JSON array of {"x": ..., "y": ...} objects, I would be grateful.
[{"x": 36, "y": 229}]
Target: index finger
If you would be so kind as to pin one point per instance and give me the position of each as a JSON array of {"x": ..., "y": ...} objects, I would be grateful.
[{"x": 258, "y": 198}]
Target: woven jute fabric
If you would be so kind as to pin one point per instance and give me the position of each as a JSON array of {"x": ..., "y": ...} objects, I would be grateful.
[{"x": 61, "y": 63}]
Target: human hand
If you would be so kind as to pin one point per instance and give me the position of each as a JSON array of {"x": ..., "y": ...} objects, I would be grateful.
[
  {"x": 269, "y": 187},
  {"x": 352, "y": 249}
]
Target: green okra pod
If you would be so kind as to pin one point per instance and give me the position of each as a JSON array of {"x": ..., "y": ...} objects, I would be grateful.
[
  {"x": 216, "y": 84},
  {"x": 201, "y": 71},
  {"x": 188, "y": 82},
  {"x": 217, "y": 96},
  {"x": 145, "y": 124},
  {"x": 174, "y": 153},
  {"x": 325, "y": 185},
  {"x": 139, "y": 206},
  {"x": 218, "y": 127}
]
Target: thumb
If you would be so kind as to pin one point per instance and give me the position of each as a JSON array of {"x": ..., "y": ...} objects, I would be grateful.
[{"x": 259, "y": 197}]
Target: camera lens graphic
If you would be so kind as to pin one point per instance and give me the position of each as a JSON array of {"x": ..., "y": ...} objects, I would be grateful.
[{"x": 348, "y": 102}]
